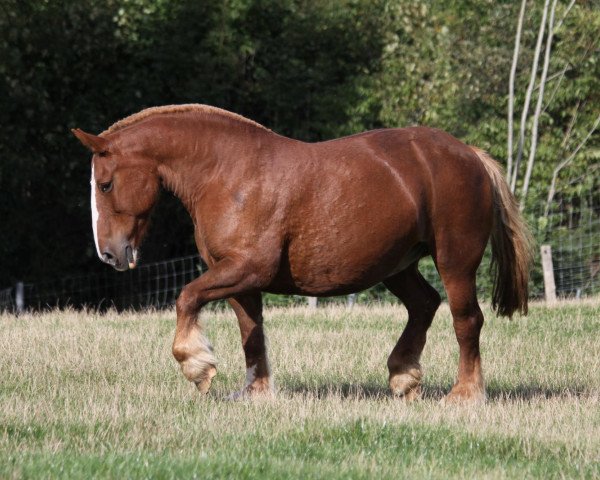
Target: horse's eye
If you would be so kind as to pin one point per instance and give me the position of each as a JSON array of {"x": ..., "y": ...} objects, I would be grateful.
[{"x": 106, "y": 187}]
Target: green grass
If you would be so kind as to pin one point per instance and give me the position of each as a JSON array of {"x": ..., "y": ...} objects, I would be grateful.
[{"x": 99, "y": 396}]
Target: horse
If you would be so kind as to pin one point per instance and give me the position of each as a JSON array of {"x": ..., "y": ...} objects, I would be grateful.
[{"x": 274, "y": 214}]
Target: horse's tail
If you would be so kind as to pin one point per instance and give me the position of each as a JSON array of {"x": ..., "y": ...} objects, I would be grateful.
[{"x": 512, "y": 245}]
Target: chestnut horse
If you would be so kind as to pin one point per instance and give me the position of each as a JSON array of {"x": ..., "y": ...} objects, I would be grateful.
[{"x": 272, "y": 214}]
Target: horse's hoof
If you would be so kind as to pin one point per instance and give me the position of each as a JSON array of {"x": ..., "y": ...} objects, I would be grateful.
[
  {"x": 469, "y": 395},
  {"x": 411, "y": 395},
  {"x": 252, "y": 392},
  {"x": 203, "y": 385},
  {"x": 406, "y": 385}
]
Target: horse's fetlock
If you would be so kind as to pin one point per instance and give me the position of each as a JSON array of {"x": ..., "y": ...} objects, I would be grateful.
[
  {"x": 195, "y": 355},
  {"x": 400, "y": 364},
  {"x": 466, "y": 393},
  {"x": 405, "y": 377},
  {"x": 179, "y": 353}
]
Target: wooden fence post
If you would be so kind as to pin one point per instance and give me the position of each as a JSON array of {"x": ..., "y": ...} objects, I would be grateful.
[
  {"x": 351, "y": 300},
  {"x": 20, "y": 297},
  {"x": 548, "y": 268}
]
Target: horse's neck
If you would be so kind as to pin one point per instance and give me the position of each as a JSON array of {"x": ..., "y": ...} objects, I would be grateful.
[{"x": 205, "y": 151}]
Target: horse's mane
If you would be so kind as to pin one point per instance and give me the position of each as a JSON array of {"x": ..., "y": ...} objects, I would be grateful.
[{"x": 191, "y": 107}]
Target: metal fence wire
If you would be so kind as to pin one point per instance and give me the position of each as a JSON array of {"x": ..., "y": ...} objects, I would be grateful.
[
  {"x": 151, "y": 285},
  {"x": 573, "y": 233},
  {"x": 7, "y": 300}
]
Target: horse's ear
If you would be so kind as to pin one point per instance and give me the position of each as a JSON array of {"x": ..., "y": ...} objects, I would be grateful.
[{"x": 95, "y": 143}]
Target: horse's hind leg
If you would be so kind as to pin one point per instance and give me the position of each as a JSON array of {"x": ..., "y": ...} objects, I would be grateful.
[
  {"x": 459, "y": 281},
  {"x": 421, "y": 300},
  {"x": 248, "y": 310}
]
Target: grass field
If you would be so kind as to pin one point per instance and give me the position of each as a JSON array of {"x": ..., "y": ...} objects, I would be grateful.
[{"x": 100, "y": 396}]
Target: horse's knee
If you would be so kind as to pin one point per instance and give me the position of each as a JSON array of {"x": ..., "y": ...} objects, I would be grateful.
[{"x": 187, "y": 302}]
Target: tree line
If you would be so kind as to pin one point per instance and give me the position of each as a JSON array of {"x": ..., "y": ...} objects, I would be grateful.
[{"x": 309, "y": 69}]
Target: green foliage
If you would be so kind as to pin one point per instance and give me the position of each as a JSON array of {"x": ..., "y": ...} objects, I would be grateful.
[{"x": 312, "y": 69}]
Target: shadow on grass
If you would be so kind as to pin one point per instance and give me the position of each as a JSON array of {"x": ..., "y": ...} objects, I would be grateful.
[
  {"x": 435, "y": 392},
  {"x": 533, "y": 391},
  {"x": 369, "y": 391}
]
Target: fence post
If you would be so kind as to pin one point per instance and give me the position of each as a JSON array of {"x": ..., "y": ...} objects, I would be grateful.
[
  {"x": 312, "y": 302},
  {"x": 351, "y": 300},
  {"x": 20, "y": 297},
  {"x": 548, "y": 268}
]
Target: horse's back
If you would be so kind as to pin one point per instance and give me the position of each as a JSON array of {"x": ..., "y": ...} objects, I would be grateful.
[
  {"x": 425, "y": 170},
  {"x": 371, "y": 201},
  {"x": 439, "y": 172}
]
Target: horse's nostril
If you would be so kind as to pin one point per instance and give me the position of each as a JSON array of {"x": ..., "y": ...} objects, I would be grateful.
[{"x": 108, "y": 257}]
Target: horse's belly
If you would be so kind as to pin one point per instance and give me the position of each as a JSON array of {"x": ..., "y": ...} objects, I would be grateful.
[{"x": 330, "y": 273}]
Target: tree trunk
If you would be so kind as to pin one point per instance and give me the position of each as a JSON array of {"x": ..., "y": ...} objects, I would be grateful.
[
  {"x": 525, "y": 112},
  {"x": 538, "y": 108},
  {"x": 511, "y": 91}
]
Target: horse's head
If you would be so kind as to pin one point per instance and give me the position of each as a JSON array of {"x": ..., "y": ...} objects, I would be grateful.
[{"x": 125, "y": 187}]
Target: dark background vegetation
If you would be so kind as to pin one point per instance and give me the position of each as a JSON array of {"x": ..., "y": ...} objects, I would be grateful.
[{"x": 312, "y": 69}]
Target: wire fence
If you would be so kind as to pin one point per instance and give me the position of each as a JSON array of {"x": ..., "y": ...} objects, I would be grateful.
[
  {"x": 573, "y": 233},
  {"x": 572, "y": 229},
  {"x": 151, "y": 285},
  {"x": 7, "y": 300}
]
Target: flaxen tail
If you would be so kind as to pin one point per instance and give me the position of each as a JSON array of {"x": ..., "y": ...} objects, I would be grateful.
[{"x": 512, "y": 245}]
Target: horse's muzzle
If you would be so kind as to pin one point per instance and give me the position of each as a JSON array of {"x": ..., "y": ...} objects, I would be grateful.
[{"x": 121, "y": 262}]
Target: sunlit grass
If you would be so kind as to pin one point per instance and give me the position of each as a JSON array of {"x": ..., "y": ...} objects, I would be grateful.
[{"x": 87, "y": 395}]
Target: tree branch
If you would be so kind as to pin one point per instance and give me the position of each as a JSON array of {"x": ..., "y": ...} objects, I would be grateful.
[
  {"x": 525, "y": 112},
  {"x": 564, "y": 163},
  {"x": 569, "y": 131},
  {"x": 538, "y": 108},
  {"x": 511, "y": 90},
  {"x": 556, "y": 87},
  {"x": 559, "y": 24},
  {"x": 568, "y": 68}
]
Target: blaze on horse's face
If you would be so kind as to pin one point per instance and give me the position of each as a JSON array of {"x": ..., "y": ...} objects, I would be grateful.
[{"x": 123, "y": 192}]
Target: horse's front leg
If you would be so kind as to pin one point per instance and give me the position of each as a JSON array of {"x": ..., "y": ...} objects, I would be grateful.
[
  {"x": 191, "y": 348},
  {"x": 248, "y": 309}
]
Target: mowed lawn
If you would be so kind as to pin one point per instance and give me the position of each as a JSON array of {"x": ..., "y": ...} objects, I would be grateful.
[{"x": 84, "y": 395}]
